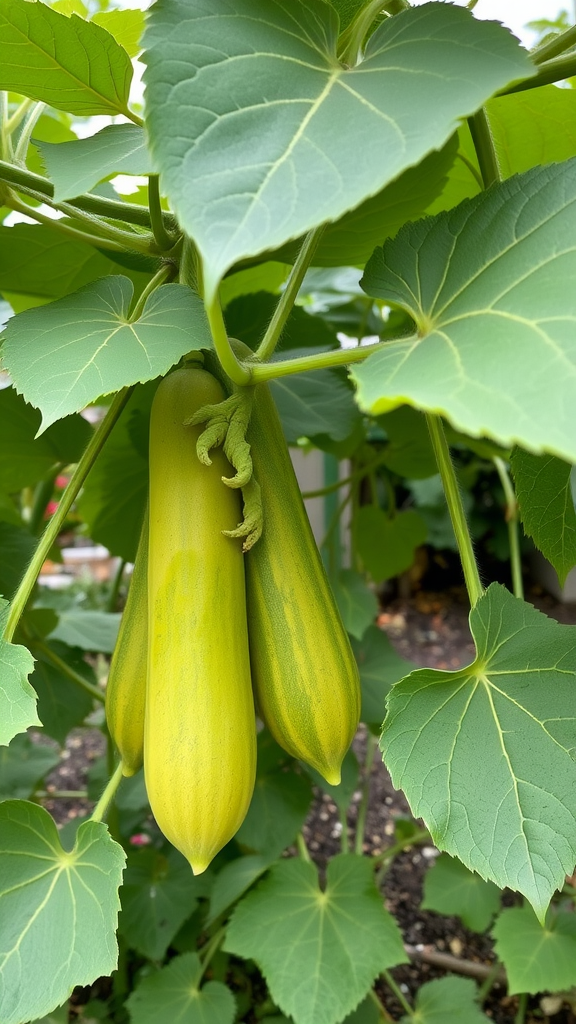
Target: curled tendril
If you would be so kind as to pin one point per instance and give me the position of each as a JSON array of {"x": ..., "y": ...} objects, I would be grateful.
[
  {"x": 252, "y": 523},
  {"x": 226, "y": 425}
]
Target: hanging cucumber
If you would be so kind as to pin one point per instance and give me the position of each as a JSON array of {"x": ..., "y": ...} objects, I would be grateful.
[
  {"x": 200, "y": 742},
  {"x": 126, "y": 687},
  {"x": 303, "y": 669}
]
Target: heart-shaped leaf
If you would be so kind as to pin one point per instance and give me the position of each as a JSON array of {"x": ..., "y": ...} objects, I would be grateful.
[
  {"x": 486, "y": 754},
  {"x": 65, "y": 355},
  {"x": 537, "y": 958},
  {"x": 275, "y": 151},
  {"x": 488, "y": 302}
]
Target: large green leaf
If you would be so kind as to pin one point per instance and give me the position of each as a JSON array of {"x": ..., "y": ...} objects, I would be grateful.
[
  {"x": 447, "y": 999},
  {"x": 276, "y": 151},
  {"x": 62, "y": 704},
  {"x": 547, "y": 506},
  {"x": 319, "y": 950},
  {"x": 126, "y": 27},
  {"x": 315, "y": 404},
  {"x": 486, "y": 754},
  {"x": 387, "y": 544},
  {"x": 24, "y": 458},
  {"x": 450, "y": 888},
  {"x": 174, "y": 994},
  {"x": 380, "y": 667},
  {"x": 23, "y": 764},
  {"x": 357, "y": 603},
  {"x": 36, "y": 259},
  {"x": 537, "y": 958},
  {"x": 533, "y": 127},
  {"x": 279, "y": 805},
  {"x": 75, "y": 167},
  {"x": 65, "y": 355},
  {"x": 158, "y": 893},
  {"x": 69, "y": 63},
  {"x": 17, "y": 696},
  {"x": 486, "y": 302},
  {"x": 89, "y": 630},
  {"x": 58, "y": 910},
  {"x": 114, "y": 497}
]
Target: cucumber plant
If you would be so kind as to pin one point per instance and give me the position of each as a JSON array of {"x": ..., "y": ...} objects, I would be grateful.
[{"x": 402, "y": 175}]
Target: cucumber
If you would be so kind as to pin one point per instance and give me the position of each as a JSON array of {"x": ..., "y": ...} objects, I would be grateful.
[
  {"x": 126, "y": 687},
  {"x": 200, "y": 732},
  {"x": 303, "y": 670}
]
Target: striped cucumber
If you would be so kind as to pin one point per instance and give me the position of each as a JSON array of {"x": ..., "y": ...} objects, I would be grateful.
[
  {"x": 200, "y": 735},
  {"x": 303, "y": 669},
  {"x": 126, "y": 687}
]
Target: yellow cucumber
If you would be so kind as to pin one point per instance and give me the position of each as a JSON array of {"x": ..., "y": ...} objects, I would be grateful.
[
  {"x": 126, "y": 687},
  {"x": 200, "y": 734},
  {"x": 303, "y": 670}
]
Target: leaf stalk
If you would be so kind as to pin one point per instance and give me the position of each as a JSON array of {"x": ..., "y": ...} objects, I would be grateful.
[
  {"x": 108, "y": 794},
  {"x": 455, "y": 508},
  {"x": 512, "y": 522},
  {"x": 288, "y": 297},
  {"x": 91, "y": 453}
]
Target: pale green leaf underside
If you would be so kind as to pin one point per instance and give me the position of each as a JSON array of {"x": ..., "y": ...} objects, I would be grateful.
[
  {"x": 65, "y": 355},
  {"x": 491, "y": 288},
  {"x": 450, "y": 888},
  {"x": 485, "y": 755},
  {"x": 17, "y": 696},
  {"x": 547, "y": 507},
  {"x": 69, "y": 63},
  {"x": 58, "y": 910},
  {"x": 536, "y": 958},
  {"x": 275, "y": 149},
  {"x": 76, "y": 167},
  {"x": 319, "y": 951},
  {"x": 172, "y": 994},
  {"x": 447, "y": 999}
]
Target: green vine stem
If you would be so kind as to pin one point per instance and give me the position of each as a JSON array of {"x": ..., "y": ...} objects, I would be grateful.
[
  {"x": 484, "y": 145},
  {"x": 69, "y": 672},
  {"x": 66, "y": 229},
  {"x": 522, "y": 1007},
  {"x": 19, "y": 114},
  {"x": 288, "y": 297},
  {"x": 93, "y": 449},
  {"x": 108, "y": 795},
  {"x": 512, "y": 522},
  {"x": 556, "y": 46},
  {"x": 237, "y": 372},
  {"x": 398, "y": 993},
  {"x": 40, "y": 188},
  {"x": 302, "y": 848},
  {"x": 163, "y": 239},
  {"x": 382, "y": 1009},
  {"x": 549, "y": 72},
  {"x": 26, "y": 134},
  {"x": 208, "y": 951},
  {"x": 455, "y": 508},
  {"x": 261, "y": 372},
  {"x": 166, "y": 273},
  {"x": 371, "y": 747}
]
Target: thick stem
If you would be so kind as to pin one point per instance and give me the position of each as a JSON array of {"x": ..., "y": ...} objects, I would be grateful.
[
  {"x": 163, "y": 239},
  {"x": 551, "y": 71},
  {"x": 447, "y": 962},
  {"x": 69, "y": 672},
  {"x": 95, "y": 445},
  {"x": 66, "y": 229},
  {"x": 398, "y": 993},
  {"x": 513, "y": 532},
  {"x": 455, "y": 508},
  {"x": 546, "y": 51},
  {"x": 382, "y": 1009},
  {"x": 42, "y": 495},
  {"x": 484, "y": 146},
  {"x": 42, "y": 189},
  {"x": 108, "y": 795},
  {"x": 371, "y": 747},
  {"x": 522, "y": 1007},
  {"x": 238, "y": 373},
  {"x": 261, "y": 372},
  {"x": 288, "y": 297}
]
